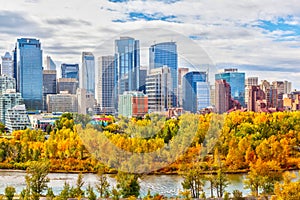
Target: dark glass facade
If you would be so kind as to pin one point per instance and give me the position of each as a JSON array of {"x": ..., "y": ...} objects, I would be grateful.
[
  {"x": 236, "y": 81},
  {"x": 70, "y": 71},
  {"x": 29, "y": 73}
]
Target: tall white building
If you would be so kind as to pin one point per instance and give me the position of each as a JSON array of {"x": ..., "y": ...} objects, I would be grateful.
[
  {"x": 106, "y": 88},
  {"x": 7, "y": 67},
  {"x": 159, "y": 89}
]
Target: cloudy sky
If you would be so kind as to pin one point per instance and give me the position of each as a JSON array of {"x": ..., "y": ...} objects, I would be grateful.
[{"x": 260, "y": 37}]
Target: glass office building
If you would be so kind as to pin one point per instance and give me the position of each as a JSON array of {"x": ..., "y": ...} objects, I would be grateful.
[
  {"x": 70, "y": 71},
  {"x": 29, "y": 72},
  {"x": 196, "y": 94},
  {"x": 236, "y": 81},
  {"x": 87, "y": 73},
  {"x": 127, "y": 64},
  {"x": 165, "y": 54}
]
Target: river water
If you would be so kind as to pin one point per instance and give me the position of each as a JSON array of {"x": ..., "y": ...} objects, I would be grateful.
[{"x": 167, "y": 185}]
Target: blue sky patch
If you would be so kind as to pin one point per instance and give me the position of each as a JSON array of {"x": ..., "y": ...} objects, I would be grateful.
[
  {"x": 280, "y": 25},
  {"x": 118, "y": 1},
  {"x": 136, "y": 16}
]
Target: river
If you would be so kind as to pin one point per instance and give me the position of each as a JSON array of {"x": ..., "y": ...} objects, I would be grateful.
[{"x": 167, "y": 185}]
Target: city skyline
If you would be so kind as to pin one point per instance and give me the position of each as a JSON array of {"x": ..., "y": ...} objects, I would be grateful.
[{"x": 266, "y": 39}]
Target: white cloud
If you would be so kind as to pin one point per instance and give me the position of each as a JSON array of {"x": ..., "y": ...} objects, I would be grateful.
[{"x": 226, "y": 30}]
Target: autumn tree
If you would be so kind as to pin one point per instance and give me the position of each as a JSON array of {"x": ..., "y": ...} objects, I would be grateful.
[
  {"x": 102, "y": 185},
  {"x": 128, "y": 184},
  {"x": 10, "y": 192},
  {"x": 288, "y": 189},
  {"x": 36, "y": 178},
  {"x": 194, "y": 182}
]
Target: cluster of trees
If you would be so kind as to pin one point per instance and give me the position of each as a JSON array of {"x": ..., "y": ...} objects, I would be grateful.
[{"x": 261, "y": 143}]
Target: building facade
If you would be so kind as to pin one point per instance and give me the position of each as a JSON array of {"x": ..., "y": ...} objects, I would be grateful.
[
  {"x": 255, "y": 95},
  {"x": 250, "y": 81},
  {"x": 127, "y": 65},
  {"x": 106, "y": 88},
  {"x": 70, "y": 71},
  {"x": 67, "y": 84},
  {"x": 63, "y": 102},
  {"x": 165, "y": 54},
  {"x": 87, "y": 73},
  {"x": 133, "y": 104},
  {"x": 29, "y": 72},
  {"x": 236, "y": 80},
  {"x": 50, "y": 65},
  {"x": 7, "y": 67},
  {"x": 8, "y": 100},
  {"x": 6, "y": 83},
  {"x": 159, "y": 89},
  {"x": 16, "y": 118},
  {"x": 49, "y": 85},
  {"x": 222, "y": 96},
  {"x": 195, "y": 91}
]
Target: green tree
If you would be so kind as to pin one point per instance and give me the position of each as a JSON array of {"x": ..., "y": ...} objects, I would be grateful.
[
  {"x": 90, "y": 193},
  {"x": 102, "y": 185},
  {"x": 128, "y": 184},
  {"x": 65, "y": 193},
  {"x": 78, "y": 192},
  {"x": 36, "y": 178},
  {"x": 10, "y": 192},
  {"x": 193, "y": 181},
  {"x": 50, "y": 194},
  {"x": 221, "y": 182}
]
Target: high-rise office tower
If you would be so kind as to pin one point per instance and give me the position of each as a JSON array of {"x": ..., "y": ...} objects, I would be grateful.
[
  {"x": 250, "y": 81},
  {"x": 50, "y": 65},
  {"x": 70, "y": 71},
  {"x": 7, "y": 67},
  {"x": 29, "y": 73},
  {"x": 49, "y": 85},
  {"x": 236, "y": 80},
  {"x": 287, "y": 87},
  {"x": 106, "y": 88},
  {"x": 158, "y": 89},
  {"x": 195, "y": 91},
  {"x": 142, "y": 79},
  {"x": 165, "y": 54},
  {"x": 255, "y": 94},
  {"x": 127, "y": 64},
  {"x": 181, "y": 73},
  {"x": 87, "y": 72},
  {"x": 222, "y": 96}
]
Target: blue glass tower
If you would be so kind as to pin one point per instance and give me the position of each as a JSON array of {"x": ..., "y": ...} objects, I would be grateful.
[
  {"x": 236, "y": 81},
  {"x": 70, "y": 71},
  {"x": 166, "y": 54},
  {"x": 127, "y": 65},
  {"x": 29, "y": 72},
  {"x": 195, "y": 91},
  {"x": 87, "y": 72}
]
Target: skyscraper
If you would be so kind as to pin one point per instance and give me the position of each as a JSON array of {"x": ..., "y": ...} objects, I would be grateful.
[
  {"x": 236, "y": 80},
  {"x": 29, "y": 73},
  {"x": 106, "y": 87},
  {"x": 127, "y": 64},
  {"x": 7, "y": 67},
  {"x": 166, "y": 54},
  {"x": 222, "y": 96},
  {"x": 50, "y": 65},
  {"x": 49, "y": 85},
  {"x": 250, "y": 81},
  {"x": 158, "y": 85},
  {"x": 195, "y": 91},
  {"x": 87, "y": 72},
  {"x": 70, "y": 71}
]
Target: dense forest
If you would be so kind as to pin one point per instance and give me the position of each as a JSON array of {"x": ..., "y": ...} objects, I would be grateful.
[{"x": 262, "y": 144}]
